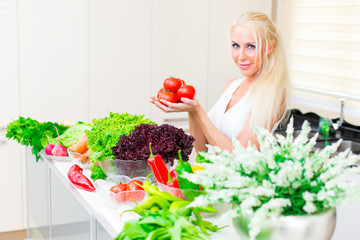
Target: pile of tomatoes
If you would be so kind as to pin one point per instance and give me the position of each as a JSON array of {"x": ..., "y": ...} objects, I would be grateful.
[
  {"x": 127, "y": 192},
  {"x": 175, "y": 89}
]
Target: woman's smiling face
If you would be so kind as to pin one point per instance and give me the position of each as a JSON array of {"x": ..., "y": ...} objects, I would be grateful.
[{"x": 244, "y": 52}]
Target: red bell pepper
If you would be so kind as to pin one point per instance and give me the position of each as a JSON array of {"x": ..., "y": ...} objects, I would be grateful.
[
  {"x": 79, "y": 180},
  {"x": 158, "y": 167}
]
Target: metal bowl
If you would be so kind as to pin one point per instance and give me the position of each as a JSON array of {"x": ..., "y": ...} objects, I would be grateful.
[{"x": 307, "y": 227}]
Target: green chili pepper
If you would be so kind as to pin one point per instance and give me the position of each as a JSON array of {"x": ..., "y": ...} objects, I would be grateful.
[
  {"x": 199, "y": 221},
  {"x": 208, "y": 225},
  {"x": 151, "y": 201},
  {"x": 176, "y": 206},
  {"x": 153, "y": 190},
  {"x": 185, "y": 184},
  {"x": 207, "y": 209},
  {"x": 154, "y": 208}
]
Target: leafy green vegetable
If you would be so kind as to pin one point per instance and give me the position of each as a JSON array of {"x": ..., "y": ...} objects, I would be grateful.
[
  {"x": 96, "y": 172},
  {"x": 162, "y": 224},
  {"x": 69, "y": 137},
  {"x": 105, "y": 133},
  {"x": 29, "y": 132}
]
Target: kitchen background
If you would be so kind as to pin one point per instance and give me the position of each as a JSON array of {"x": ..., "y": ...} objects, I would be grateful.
[{"x": 81, "y": 59}]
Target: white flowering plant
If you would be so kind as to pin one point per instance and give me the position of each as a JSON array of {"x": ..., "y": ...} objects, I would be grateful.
[{"x": 286, "y": 176}]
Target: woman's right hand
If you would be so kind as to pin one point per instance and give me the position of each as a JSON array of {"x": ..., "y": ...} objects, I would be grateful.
[{"x": 186, "y": 105}]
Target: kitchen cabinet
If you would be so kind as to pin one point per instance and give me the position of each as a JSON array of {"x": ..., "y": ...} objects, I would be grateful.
[
  {"x": 12, "y": 204},
  {"x": 119, "y": 57}
]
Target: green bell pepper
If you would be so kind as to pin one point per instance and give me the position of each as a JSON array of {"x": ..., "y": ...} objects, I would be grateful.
[{"x": 185, "y": 184}]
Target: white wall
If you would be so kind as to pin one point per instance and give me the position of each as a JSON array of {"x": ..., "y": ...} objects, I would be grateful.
[{"x": 81, "y": 59}]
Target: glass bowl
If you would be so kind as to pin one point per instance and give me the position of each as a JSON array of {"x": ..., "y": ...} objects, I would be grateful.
[
  {"x": 132, "y": 168},
  {"x": 79, "y": 159},
  {"x": 318, "y": 226},
  {"x": 108, "y": 167},
  {"x": 116, "y": 200},
  {"x": 54, "y": 158},
  {"x": 186, "y": 194}
]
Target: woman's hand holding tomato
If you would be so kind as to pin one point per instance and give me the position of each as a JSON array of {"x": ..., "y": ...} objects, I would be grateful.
[
  {"x": 175, "y": 96},
  {"x": 186, "y": 91},
  {"x": 187, "y": 105}
]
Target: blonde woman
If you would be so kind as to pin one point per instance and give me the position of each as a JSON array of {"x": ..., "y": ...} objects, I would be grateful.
[{"x": 259, "y": 97}]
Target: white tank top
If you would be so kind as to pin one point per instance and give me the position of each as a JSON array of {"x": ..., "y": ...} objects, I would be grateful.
[{"x": 232, "y": 121}]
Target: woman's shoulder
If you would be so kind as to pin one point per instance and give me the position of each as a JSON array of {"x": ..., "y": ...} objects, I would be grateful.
[{"x": 228, "y": 83}]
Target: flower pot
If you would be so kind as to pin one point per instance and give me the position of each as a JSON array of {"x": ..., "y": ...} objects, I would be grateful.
[{"x": 307, "y": 227}]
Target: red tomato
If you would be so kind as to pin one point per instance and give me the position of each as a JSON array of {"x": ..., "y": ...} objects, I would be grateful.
[
  {"x": 173, "y": 84},
  {"x": 187, "y": 91},
  {"x": 134, "y": 191},
  {"x": 118, "y": 188},
  {"x": 134, "y": 185},
  {"x": 169, "y": 96},
  {"x": 160, "y": 92},
  {"x": 119, "y": 193}
]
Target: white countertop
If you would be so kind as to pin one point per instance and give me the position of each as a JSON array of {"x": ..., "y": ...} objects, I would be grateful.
[{"x": 110, "y": 218}]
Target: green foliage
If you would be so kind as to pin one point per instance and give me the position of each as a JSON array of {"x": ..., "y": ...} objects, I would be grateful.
[
  {"x": 162, "y": 224},
  {"x": 29, "y": 132}
]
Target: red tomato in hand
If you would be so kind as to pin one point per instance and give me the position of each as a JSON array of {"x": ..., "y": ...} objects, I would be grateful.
[
  {"x": 173, "y": 84},
  {"x": 160, "y": 92},
  {"x": 187, "y": 91},
  {"x": 134, "y": 185},
  {"x": 169, "y": 96},
  {"x": 118, "y": 188}
]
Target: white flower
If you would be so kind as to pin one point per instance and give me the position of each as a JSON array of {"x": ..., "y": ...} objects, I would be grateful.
[
  {"x": 263, "y": 184},
  {"x": 247, "y": 206},
  {"x": 309, "y": 207}
]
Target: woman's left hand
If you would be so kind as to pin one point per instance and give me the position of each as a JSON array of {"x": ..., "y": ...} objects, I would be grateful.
[{"x": 186, "y": 105}]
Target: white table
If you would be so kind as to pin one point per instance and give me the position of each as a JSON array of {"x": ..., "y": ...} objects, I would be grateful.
[{"x": 59, "y": 210}]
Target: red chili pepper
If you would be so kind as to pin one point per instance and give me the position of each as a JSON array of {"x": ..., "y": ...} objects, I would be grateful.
[
  {"x": 79, "y": 180},
  {"x": 158, "y": 167},
  {"x": 173, "y": 174}
]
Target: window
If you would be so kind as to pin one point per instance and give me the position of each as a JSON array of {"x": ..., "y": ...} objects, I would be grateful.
[{"x": 323, "y": 46}]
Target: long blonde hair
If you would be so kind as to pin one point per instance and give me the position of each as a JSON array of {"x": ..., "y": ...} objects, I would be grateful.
[{"x": 271, "y": 87}]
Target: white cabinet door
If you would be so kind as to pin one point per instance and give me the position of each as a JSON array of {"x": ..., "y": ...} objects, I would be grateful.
[
  {"x": 11, "y": 177},
  {"x": 53, "y": 63},
  {"x": 179, "y": 48},
  {"x": 119, "y": 57}
]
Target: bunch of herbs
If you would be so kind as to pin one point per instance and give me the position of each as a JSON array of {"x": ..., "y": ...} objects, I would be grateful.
[{"x": 30, "y": 132}]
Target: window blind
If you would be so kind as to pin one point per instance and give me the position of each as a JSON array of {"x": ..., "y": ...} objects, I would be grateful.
[{"x": 323, "y": 46}]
